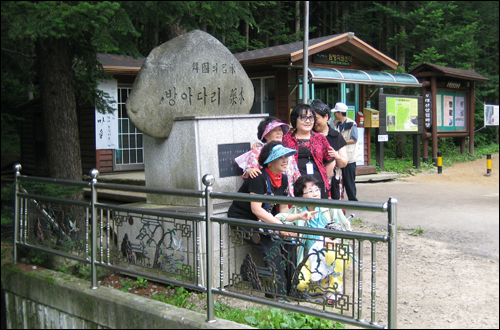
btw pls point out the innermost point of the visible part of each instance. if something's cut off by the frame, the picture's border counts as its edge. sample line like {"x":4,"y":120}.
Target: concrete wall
{"x":49,"y":299}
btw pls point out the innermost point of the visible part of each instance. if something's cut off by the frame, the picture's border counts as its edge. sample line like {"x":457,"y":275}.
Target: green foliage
{"x":273,"y":318}
{"x":127,"y":285}
{"x":417,"y":231}
{"x":85,"y":271}
{"x":34,"y":256}
{"x":180,"y":299}
{"x":46,"y":189}
{"x":7,"y":219}
{"x":451,"y":152}
{"x":63,"y":269}
{"x":449,"y":147}
{"x":10,"y":136}
{"x":430,"y":55}
{"x":141,"y":283}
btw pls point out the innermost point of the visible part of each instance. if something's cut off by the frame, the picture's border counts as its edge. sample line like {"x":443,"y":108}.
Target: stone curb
{"x":104,"y":307}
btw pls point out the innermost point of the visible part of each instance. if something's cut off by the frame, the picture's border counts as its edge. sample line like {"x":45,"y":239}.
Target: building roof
{"x":292,"y":52}
{"x":120,"y":64}
{"x":426,"y":69}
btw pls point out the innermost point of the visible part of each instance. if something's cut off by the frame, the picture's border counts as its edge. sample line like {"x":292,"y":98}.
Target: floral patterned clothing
{"x":292,"y":171}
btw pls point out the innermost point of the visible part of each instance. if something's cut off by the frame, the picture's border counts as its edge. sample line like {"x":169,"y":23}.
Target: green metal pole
{"x":93,"y":173}
{"x":393,"y":261}
{"x":18,"y":168}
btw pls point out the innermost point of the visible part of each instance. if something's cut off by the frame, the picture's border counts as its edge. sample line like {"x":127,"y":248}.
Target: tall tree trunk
{"x":297,"y":18}
{"x":277,"y":32}
{"x":175,"y":29}
{"x":337,"y":18}
{"x":247,"y":36}
{"x":55,"y":74}
{"x":60,"y":118}
{"x":388,"y":34}
{"x":266,"y":38}
{"x":325,"y":5}
{"x":345,"y":14}
{"x":155,"y":34}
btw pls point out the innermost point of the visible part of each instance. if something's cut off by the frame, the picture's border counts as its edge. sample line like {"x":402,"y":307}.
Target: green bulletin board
{"x":451,"y":111}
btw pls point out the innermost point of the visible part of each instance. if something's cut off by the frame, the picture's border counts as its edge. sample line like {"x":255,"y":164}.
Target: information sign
{"x":227,"y":153}
{"x":428,"y":110}
{"x":400,"y":114}
{"x":490,"y":115}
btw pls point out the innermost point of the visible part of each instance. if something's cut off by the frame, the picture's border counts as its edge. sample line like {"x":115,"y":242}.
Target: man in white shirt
{"x":349,"y":130}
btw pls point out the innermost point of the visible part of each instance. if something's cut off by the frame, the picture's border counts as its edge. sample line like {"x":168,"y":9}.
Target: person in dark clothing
{"x":336,"y":141}
{"x":279,"y":254}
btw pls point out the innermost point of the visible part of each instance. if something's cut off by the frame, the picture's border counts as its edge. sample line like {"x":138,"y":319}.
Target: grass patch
{"x":417,"y":231}
{"x":273,"y":318}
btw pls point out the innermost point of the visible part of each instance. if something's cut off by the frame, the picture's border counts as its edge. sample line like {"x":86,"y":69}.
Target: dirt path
{"x":470,"y":172}
{"x":440,"y":286}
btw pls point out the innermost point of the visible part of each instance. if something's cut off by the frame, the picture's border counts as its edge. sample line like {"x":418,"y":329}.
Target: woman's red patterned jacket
{"x":319,"y":149}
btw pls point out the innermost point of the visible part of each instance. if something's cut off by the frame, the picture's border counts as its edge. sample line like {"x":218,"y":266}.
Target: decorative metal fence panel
{"x":215,"y":254}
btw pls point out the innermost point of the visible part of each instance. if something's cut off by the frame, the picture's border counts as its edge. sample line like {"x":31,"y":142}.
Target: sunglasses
{"x":305,"y":118}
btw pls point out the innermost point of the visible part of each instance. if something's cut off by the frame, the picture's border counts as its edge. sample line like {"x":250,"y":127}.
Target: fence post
{"x":393,"y":261}
{"x":18,"y":168}
{"x":208,"y":181}
{"x":93,"y":244}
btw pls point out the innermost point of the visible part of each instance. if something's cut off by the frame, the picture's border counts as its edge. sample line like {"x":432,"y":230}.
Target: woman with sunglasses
{"x":314,"y":154}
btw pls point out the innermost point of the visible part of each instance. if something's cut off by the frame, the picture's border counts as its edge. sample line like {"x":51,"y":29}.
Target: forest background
{"x":49,"y":48}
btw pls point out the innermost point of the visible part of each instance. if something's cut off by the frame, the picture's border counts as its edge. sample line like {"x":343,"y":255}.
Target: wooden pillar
{"x":434,"y":120}
{"x":471,"y":118}
{"x":425,"y":148}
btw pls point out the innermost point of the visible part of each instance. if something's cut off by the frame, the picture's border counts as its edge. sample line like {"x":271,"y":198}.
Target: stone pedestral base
{"x":198,"y":145}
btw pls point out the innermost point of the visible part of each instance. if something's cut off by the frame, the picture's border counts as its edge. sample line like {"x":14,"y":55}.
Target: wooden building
{"x":341,"y":67}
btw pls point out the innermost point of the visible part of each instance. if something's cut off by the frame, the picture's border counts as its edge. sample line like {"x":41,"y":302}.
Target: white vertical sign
{"x":490,"y":115}
{"x":106,"y":125}
{"x":360,"y":147}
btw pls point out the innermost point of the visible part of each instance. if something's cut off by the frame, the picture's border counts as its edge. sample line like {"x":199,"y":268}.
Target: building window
{"x":130,"y":152}
{"x":265,"y":99}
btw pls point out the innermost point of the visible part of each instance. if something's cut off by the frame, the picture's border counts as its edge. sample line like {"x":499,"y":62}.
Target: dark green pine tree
{"x":67,"y":37}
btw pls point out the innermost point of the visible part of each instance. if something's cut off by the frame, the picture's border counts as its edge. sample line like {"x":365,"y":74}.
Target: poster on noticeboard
{"x":490,"y":115}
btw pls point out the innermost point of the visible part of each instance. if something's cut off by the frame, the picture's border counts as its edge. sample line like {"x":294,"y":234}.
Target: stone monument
{"x":192,"y":100}
{"x":193,"y":74}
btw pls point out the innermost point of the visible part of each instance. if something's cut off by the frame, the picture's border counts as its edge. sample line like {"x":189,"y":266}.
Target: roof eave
{"x":299,"y":55}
